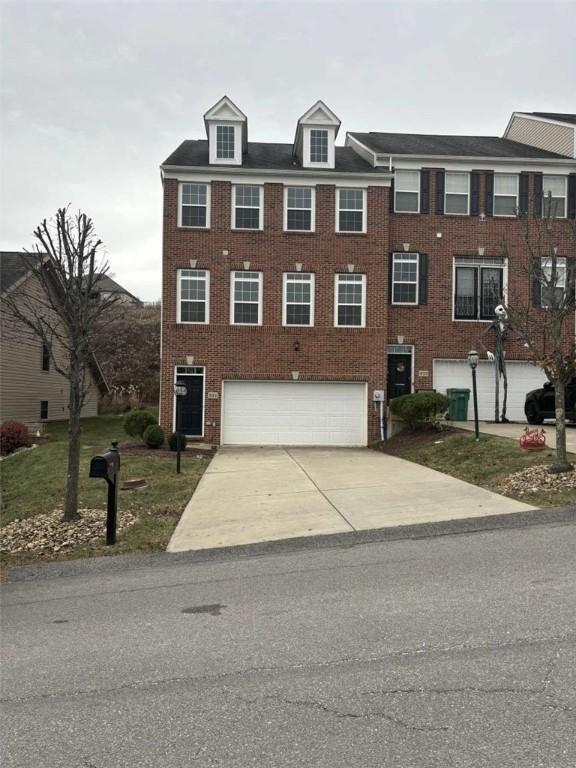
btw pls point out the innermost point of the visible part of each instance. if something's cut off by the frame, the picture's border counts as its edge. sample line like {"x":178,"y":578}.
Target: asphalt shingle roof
{"x":13,"y":266}
{"x":457,"y":146}
{"x":561,"y":116}
{"x":266,"y":156}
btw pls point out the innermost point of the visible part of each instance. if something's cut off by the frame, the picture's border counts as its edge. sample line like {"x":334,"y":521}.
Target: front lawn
{"x":485,"y":463}
{"x":33,"y":483}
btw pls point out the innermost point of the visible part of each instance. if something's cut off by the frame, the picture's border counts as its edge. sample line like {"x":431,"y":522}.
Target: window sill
{"x":247,"y":229}
{"x":352,"y":234}
{"x":298,"y":231}
{"x":197,"y":229}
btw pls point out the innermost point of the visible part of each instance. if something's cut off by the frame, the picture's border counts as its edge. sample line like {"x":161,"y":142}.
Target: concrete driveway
{"x":514,"y":430}
{"x":252,"y":495}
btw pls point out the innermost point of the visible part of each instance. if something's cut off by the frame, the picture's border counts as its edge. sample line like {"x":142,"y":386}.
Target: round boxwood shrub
{"x":136,"y":422}
{"x":153,"y":436}
{"x":174,"y":439}
{"x":13,"y":435}
{"x":419,"y":410}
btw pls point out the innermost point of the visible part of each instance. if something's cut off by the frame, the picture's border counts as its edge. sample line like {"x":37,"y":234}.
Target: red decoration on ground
{"x":533,"y":440}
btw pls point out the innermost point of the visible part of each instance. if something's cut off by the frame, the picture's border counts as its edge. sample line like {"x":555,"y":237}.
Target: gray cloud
{"x":95,"y":95}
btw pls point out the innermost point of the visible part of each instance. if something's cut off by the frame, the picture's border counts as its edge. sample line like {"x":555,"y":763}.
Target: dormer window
{"x":227,"y":129}
{"x":318,"y":145}
{"x":225,"y":142}
{"x":314,"y":145}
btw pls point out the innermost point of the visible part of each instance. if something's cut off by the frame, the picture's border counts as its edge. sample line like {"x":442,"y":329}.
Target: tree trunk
{"x":561,"y":463}
{"x":73,"y":470}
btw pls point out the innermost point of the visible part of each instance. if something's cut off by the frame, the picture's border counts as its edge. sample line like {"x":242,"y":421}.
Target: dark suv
{"x":539,"y":403}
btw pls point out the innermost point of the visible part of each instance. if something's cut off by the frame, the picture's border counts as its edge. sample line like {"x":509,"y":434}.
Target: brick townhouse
{"x":304,"y":281}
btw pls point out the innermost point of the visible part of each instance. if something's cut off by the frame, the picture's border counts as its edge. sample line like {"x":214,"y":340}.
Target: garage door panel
{"x":294,"y":413}
{"x":522,"y":377}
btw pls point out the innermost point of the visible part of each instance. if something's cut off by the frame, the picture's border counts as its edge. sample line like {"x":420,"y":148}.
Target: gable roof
{"x":454,"y":146}
{"x":14,"y":265}
{"x":107,"y":284}
{"x":561,"y":117}
{"x":266,"y":156}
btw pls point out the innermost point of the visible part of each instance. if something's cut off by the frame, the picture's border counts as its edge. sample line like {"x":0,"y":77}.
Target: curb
{"x":112,"y":563}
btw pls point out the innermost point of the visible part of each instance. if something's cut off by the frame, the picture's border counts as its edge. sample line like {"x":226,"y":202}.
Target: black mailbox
{"x":107,"y":467}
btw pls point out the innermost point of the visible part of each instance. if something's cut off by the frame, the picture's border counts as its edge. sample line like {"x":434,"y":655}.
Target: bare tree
{"x":61,"y":305}
{"x":544,"y":317}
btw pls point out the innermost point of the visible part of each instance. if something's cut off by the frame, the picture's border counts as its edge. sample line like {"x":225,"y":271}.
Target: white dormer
{"x":316,"y":137}
{"x":227,"y":130}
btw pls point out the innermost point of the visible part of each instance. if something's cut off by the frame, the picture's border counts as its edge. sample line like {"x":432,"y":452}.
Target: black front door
{"x":399,"y":375}
{"x":189,"y":407}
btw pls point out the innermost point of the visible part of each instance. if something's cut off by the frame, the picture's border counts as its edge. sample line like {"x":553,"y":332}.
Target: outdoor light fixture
{"x":296,"y":346}
{"x":473,"y":359}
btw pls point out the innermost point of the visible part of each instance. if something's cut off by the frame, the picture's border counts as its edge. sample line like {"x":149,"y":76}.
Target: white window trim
{"x":179,"y":299}
{"x":406,"y":303}
{"x":363,"y":310}
{"x":564,"y":196}
{"x":235,"y":272}
{"x":208,"y":206}
{"x":364,"y":211}
{"x":312,"y":209}
{"x":308,"y":163}
{"x":495,"y":195}
{"x":457,"y":173}
{"x":504,"y":268}
{"x":261,"y":209}
{"x":285,"y":300}
{"x":411,"y":191}
{"x":237,"y":159}
{"x":561,"y":269}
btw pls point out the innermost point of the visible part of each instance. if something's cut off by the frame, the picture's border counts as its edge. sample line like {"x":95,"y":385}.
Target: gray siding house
{"x":31,"y":390}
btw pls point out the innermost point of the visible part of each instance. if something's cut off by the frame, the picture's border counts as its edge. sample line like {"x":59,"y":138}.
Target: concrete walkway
{"x":515,"y":430}
{"x":252,"y":495}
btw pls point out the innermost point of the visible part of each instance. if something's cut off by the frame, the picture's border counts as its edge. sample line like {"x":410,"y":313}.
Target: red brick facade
{"x":324,"y":353}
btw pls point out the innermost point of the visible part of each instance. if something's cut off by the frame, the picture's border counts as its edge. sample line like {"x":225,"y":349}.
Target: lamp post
{"x":180,"y":390}
{"x":473,"y":358}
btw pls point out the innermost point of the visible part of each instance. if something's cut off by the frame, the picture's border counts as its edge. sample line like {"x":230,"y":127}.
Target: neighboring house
{"x":108,"y":287}
{"x":302,"y":280}
{"x":30,"y":389}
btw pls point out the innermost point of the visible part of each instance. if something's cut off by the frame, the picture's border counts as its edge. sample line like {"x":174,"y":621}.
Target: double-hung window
{"x":457,"y":193}
{"x":553,"y":282}
{"x":298,"y":305}
{"x":351,"y":210}
{"x":299,"y":209}
{"x":318,"y":145}
{"x":405,"y":278}
{"x":247,"y":213}
{"x":193,"y":295}
{"x":407,"y":192}
{"x":194,"y":205}
{"x":43,"y":410}
{"x":505,"y":194}
{"x":350,"y":301}
{"x":246,"y":302}
{"x":554,"y":193}
{"x":45,"y":356}
{"x":478,"y":287}
{"x":225,"y":142}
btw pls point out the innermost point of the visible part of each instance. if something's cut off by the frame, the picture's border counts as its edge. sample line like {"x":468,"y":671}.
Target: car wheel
{"x":533,"y":413}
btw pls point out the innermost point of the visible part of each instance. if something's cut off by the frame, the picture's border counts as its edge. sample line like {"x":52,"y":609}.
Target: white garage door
{"x":293,"y":413}
{"x":522,"y":377}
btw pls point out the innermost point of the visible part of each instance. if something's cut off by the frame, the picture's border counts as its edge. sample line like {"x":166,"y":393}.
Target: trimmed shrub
{"x":174,"y":439}
{"x":136,"y":422}
{"x":153,"y":436}
{"x":13,"y":435}
{"x":419,"y":410}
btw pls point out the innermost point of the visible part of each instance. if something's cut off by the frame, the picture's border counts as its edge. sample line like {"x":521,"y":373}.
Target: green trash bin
{"x":458,"y":404}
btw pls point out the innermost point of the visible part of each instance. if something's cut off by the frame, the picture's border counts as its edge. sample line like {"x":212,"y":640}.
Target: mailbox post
{"x":180,"y":390}
{"x":107,"y":467}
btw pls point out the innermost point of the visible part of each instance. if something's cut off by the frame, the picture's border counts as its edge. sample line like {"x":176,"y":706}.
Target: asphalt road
{"x":446,"y":652}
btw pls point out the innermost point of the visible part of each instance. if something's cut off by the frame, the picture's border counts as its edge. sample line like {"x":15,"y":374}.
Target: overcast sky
{"x":97,"y":94}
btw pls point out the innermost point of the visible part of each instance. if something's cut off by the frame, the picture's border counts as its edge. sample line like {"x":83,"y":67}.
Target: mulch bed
{"x":406,"y":440}
{"x":536,"y":479}
{"x":191,"y":451}
{"x":47,"y":534}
